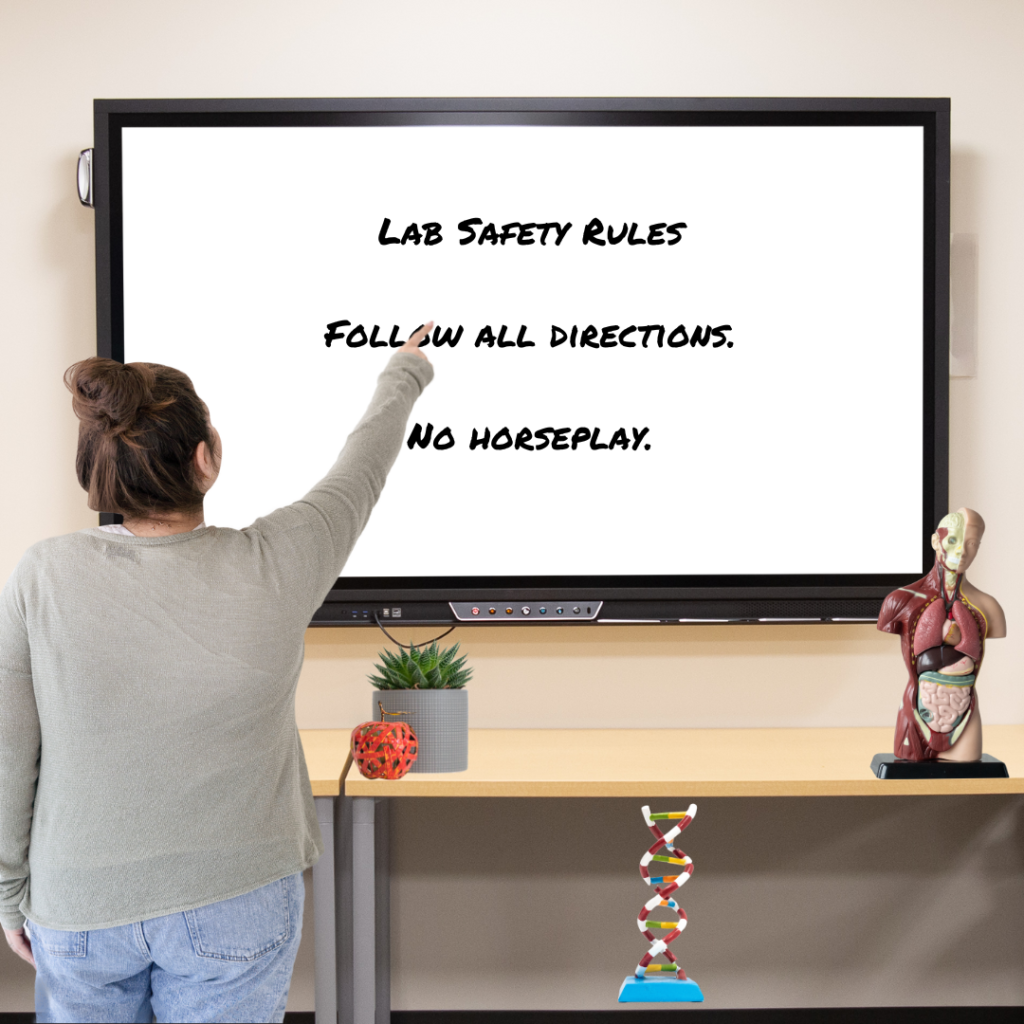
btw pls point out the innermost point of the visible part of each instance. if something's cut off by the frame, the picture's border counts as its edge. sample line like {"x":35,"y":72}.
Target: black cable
{"x":410,"y":647}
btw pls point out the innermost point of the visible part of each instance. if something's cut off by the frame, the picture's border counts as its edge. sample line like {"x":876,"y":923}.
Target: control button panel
{"x":513,"y":611}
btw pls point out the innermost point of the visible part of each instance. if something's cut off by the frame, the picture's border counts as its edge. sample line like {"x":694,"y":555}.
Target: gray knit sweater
{"x":149,"y":757}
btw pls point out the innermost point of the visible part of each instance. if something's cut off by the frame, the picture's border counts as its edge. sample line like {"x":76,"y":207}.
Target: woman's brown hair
{"x":139,"y":426}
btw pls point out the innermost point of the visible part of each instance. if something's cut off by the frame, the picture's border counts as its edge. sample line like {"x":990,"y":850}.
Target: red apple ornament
{"x":384,"y":750}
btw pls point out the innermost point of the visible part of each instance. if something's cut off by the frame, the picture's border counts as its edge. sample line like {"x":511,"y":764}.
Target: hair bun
{"x":139,"y":428}
{"x":108,"y":395}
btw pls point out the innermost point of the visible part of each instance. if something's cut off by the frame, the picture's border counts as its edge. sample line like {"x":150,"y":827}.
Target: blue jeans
{"x":228,"y":961}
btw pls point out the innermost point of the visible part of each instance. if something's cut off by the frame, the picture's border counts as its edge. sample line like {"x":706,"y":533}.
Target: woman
{"x":147,"y":711}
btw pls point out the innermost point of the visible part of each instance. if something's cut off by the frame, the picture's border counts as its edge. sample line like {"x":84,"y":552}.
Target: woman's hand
{"x":19,"y":942}
{"x":413,"y":344}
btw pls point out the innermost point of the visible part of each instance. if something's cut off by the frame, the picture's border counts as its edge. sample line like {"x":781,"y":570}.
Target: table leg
{"x":382,"y":893}
{"x":325,"y":933}
{"x":371,"y":953}
{"x":343,"y":873}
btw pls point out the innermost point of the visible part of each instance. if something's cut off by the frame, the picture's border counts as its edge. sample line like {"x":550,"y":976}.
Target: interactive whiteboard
{"x":663,"y":350}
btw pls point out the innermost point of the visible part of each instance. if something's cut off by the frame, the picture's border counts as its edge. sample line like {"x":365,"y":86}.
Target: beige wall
{"x":56,"y":56}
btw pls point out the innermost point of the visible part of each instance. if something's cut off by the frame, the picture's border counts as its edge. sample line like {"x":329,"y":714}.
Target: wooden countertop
{"x":685,"y":763}
{"x":327,"y":758}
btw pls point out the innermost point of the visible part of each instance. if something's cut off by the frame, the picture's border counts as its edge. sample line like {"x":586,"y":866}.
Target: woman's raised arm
{"x":321,"y":529}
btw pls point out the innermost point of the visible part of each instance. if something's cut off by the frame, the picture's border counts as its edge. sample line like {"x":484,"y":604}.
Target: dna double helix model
{"x":664,"y":885}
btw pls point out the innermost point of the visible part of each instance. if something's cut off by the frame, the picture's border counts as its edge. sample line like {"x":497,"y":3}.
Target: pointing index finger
{"x":417,"y":338}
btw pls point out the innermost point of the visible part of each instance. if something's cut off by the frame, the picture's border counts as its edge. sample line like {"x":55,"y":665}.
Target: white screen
{"x":242,"y":244}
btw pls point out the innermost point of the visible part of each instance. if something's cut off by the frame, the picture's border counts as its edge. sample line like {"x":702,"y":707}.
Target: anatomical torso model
{"x":943,"y":622}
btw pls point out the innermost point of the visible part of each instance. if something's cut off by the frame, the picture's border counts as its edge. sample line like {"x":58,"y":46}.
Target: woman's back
{"x":161,"y":675}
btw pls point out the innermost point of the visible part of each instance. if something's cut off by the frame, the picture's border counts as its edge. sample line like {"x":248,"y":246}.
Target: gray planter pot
{"x":440,"y":719}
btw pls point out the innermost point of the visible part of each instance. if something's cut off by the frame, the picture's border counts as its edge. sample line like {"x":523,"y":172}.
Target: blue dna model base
{"x":660,"y":990}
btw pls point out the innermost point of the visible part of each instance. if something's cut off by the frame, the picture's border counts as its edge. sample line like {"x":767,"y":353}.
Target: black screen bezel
{"x":756,"y":593}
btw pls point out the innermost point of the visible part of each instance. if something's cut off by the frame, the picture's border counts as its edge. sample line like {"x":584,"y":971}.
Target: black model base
{"x":888,"y":766}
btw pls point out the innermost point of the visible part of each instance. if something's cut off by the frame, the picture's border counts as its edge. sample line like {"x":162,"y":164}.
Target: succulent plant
{"x":422,"y":668}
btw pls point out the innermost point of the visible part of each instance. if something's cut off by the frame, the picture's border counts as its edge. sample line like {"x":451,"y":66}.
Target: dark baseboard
{"x":30,"y":1018}
{"x":845,"y":1015}
{"x":832,"y":1015}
